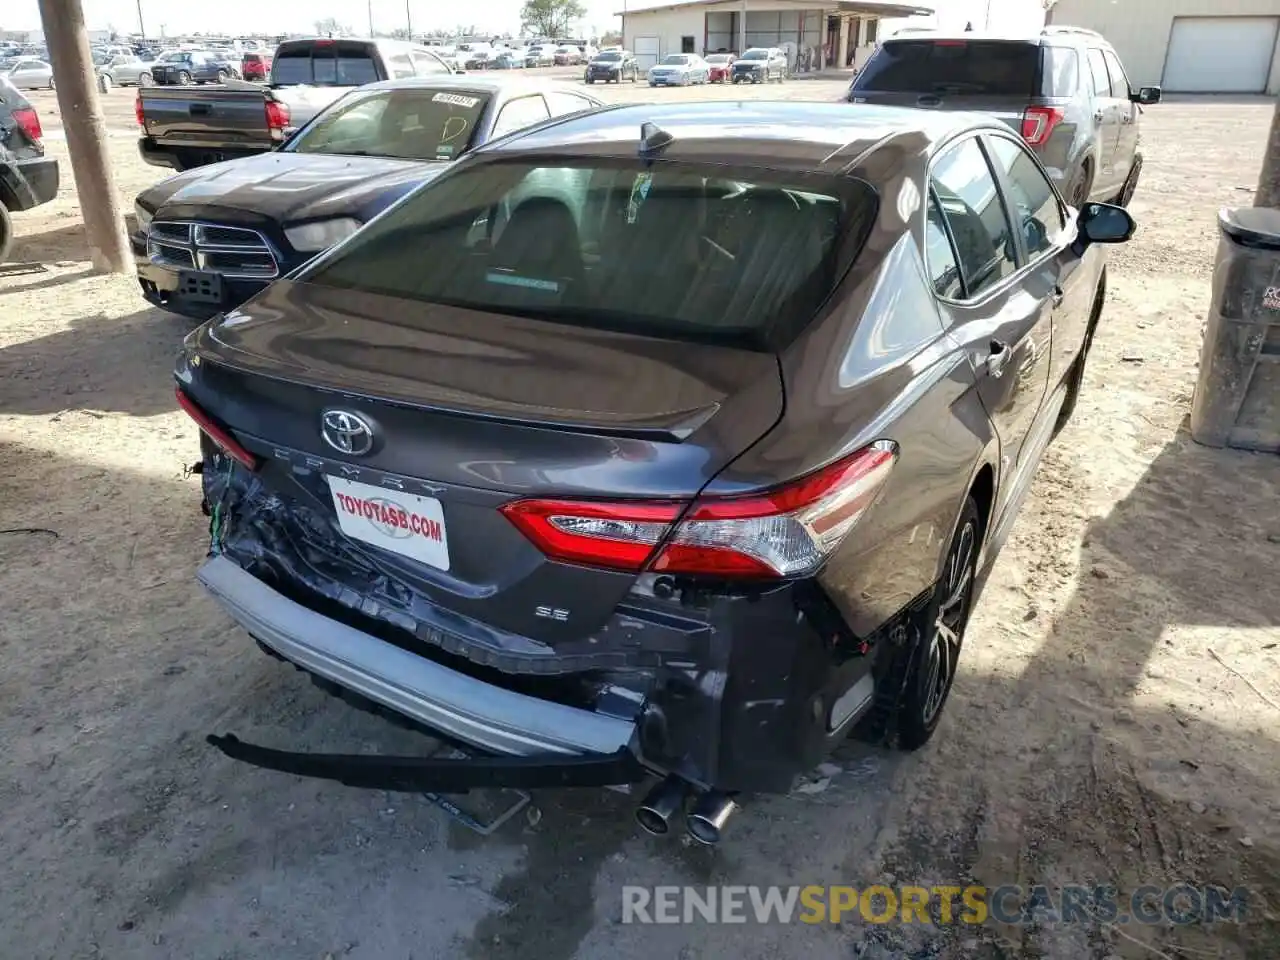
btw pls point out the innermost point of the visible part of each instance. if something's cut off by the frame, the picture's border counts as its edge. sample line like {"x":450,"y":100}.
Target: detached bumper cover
{"x":467,"y":709}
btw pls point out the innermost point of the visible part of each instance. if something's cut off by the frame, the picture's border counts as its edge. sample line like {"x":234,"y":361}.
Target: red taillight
{"x":224,"y":440}
{"x":29,"y":121}
{"x":277,"y":118}
{"x":1038,"y":123}
{"x":785,"y":532}
{"x":138,"y":112}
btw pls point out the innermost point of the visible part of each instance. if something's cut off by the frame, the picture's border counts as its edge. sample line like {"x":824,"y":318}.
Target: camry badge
{"x":347,"y":432}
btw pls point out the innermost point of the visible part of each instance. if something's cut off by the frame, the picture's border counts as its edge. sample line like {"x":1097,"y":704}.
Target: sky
{"x":284,"y":16}
{"x":497,"y":16}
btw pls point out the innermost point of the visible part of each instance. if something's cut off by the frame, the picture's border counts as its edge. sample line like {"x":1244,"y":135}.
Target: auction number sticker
{"x":456,"y":99}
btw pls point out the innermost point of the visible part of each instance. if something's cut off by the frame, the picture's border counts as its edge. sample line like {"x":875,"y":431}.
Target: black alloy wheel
{"x":937,"y":653}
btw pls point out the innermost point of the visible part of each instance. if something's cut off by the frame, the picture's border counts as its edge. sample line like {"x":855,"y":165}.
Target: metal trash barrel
{"x":1237,"y":399}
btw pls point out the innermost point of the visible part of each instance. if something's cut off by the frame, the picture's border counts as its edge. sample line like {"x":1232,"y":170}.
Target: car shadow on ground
{"x":101,"y":363}
{"x":1129,"y":784}
{"x":65,"y":244}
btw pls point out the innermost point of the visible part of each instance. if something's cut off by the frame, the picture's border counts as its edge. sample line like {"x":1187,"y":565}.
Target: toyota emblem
{"x":347,"y":432}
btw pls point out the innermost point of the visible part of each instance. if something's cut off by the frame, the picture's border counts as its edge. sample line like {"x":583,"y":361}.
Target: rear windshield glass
{"x":608,"y":56}
{"x":671,"y":250}
{"x":987,"y":67}
{"x":414,"y":124}
{"x":341,"y":65}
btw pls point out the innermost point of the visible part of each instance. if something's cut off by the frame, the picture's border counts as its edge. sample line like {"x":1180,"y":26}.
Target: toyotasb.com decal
{"x":389,"y":517}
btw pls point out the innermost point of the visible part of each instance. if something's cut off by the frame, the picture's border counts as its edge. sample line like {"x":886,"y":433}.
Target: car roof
{"x":496,"y":83}
{"x":1063,"y":35}
{"x":794,"y":135}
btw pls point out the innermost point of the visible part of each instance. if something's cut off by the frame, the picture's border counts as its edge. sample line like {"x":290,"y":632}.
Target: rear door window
{"x":564,"y":103}
{"x":1098,"y":70}
{"x":399,"y":65}
{"x":940,"y":256}
{"x":520,"y":113}
{"x":979,"y":67}
{"x":1119,"y":82}
{"x":1060,"y":72}
{"x":1032,"y":203}
{"x":674,"y":250}
{"x":426,"y":64}
{"x":966,"y":189}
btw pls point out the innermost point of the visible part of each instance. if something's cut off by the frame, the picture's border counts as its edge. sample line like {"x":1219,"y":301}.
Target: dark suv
{"x":27,"y":177}
{"x":1065,"y":91}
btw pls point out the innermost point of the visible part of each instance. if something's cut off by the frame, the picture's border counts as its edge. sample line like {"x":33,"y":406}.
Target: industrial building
{"x":816,"y":34}
{"x":1187,"y":46}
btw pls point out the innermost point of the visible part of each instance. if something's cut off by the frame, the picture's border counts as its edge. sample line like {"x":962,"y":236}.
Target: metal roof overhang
{"x":875,"y":8}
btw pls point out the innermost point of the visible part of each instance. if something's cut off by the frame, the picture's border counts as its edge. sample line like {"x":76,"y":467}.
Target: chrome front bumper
{"x":460,"y":706}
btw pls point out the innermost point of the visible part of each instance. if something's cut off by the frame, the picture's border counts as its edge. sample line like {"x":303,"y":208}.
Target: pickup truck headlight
{"x":143,"y":216}
{"x":321,"y":235}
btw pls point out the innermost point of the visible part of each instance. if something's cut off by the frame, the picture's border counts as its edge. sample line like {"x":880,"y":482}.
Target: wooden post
{"x":86,"y":130}
{"x":1268,"y":194}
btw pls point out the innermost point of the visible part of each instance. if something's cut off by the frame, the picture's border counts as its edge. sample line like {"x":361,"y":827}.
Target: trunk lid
{"x":469,"y":410}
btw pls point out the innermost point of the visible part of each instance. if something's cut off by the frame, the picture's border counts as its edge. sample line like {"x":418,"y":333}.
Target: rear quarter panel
{"x":880,"y":365}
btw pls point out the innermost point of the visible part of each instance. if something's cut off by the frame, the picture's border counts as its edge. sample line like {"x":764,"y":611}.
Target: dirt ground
{"x":1116,"y":717}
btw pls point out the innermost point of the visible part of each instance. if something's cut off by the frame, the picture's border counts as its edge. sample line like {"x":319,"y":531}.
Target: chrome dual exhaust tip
{"x":663,"y":802}
{"x":709,"y":816}
{"x":705,"y":822}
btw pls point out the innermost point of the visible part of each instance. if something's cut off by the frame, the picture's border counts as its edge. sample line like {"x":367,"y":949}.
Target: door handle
{"x":997,"y":358}
{"x":1057,"y":296}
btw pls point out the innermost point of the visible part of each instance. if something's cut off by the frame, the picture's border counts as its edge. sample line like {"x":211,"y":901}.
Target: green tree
{"x":551,"y":18}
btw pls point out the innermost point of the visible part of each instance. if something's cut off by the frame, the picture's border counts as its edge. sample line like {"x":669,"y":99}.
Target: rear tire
{"x":6,"y":234}
{"x":184,"y":78}
{"x":51,"y":84}
{"x":1082,"y":186}
{"x":144,"y":79}
{"x":223,"y":76}
{"x":1075,"y":376}
{"x":932,"y":668}
{"x":1125,"y":196}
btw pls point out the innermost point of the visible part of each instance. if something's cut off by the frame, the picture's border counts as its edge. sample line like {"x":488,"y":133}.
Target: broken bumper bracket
{"x":440,"y":775}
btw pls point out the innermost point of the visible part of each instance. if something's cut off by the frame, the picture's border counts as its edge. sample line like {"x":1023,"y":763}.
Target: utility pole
{"x":1269,"y":183}
{"x":408,"y":19}
{"x":370,"y":19}
{"x":86,"y":131}
{"x":142,"y":28}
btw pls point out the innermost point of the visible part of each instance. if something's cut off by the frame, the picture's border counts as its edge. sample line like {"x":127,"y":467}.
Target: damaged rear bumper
{"x":465,"y":708}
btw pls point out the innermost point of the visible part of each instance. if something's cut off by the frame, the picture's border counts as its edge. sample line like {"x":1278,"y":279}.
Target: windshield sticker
{"x":444,"y":151}
{"x":454,"y":127}
{"x":529,"y":283}
{"x":639,"y":190}
{"x":457,"y":99}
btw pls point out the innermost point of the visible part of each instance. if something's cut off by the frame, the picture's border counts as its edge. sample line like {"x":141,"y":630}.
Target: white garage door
{"x":646,"y":52}
{"x":1220,"y":54}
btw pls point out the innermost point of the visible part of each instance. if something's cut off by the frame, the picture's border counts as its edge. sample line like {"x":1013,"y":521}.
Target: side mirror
{"x":1146,"y":96}
{"x":1106,"y":223}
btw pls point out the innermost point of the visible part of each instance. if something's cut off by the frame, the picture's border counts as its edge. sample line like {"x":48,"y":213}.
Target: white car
{"x":679,"y":70}
{"x":126,"y":68}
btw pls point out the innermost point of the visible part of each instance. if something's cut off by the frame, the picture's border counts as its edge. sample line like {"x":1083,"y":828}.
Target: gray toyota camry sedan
{"x":664,"y":443}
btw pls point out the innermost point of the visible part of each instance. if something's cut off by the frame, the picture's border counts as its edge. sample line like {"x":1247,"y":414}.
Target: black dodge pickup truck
{"x":211,"y":238}
{"x":187,"y":126}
